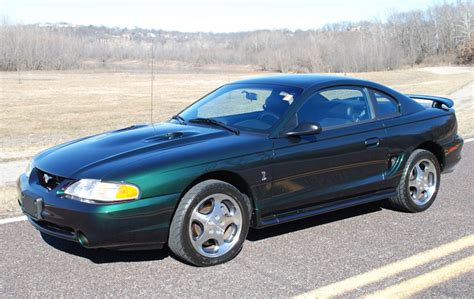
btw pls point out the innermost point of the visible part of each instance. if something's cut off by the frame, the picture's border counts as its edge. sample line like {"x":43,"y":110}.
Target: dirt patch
{"x":464,"y":97}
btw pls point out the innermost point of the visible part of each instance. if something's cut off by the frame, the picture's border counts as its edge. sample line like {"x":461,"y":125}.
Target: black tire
{"x":179,"y":240}
{"x":403,"y":201}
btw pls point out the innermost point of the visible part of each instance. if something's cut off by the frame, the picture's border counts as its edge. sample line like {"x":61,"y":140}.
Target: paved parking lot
{"x":367,"y":250}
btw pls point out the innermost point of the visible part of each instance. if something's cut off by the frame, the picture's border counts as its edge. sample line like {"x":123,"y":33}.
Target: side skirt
{"x":325,"y":208}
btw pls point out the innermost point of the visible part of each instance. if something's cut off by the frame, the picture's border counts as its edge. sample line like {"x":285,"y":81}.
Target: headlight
{"x":95,"y":190}
{"x":29,"y":169}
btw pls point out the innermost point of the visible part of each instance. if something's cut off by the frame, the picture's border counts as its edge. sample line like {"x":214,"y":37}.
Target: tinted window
{"x":335,"y":107}
{"x":386,"y":105}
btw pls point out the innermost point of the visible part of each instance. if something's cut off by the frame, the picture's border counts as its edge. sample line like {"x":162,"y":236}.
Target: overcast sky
{"x":204,"y":15}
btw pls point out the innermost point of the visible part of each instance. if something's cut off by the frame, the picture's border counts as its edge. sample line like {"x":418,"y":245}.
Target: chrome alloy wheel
{"x":422,"y":183}
{"x":215,"y":225}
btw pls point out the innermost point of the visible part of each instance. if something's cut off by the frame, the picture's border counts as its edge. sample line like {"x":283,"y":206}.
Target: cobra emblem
{"x":46,"y":178}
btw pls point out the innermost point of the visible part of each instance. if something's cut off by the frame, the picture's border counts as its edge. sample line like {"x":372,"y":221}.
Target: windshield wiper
{"x":179,"y":118}
{"x":211,"y":121}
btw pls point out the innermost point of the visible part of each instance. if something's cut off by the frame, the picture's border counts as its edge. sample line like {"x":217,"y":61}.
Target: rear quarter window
{"x":386,"y":105}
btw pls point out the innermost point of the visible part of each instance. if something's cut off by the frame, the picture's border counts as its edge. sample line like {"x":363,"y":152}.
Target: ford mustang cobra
{"x":253,"y":153}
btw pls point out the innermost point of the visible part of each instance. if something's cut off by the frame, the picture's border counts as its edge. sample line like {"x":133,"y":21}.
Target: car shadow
{"x":105,"y":256}
{"x":284,"y":228}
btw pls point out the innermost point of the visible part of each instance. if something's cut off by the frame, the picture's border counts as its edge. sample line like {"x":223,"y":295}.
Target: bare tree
{"x":441,"y":33}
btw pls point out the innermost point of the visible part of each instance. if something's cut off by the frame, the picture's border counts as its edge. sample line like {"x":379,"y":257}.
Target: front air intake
{"x":47,"y":180}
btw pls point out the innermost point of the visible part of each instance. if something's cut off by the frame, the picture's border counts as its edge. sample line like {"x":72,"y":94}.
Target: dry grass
{"x":422,"y":81}
{"x":40,"y":109}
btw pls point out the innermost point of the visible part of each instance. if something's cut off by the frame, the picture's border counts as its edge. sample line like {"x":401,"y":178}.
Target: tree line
{"x":442,"y":33}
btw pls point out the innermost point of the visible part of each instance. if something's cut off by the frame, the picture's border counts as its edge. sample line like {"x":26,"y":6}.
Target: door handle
{"x":372,"y":142}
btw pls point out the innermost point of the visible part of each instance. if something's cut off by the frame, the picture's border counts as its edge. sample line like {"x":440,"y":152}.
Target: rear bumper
{"x":452,"y":154}
{"x":142,"y":223}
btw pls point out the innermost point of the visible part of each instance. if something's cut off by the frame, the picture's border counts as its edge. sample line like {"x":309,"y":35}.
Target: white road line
{"x":468,"y":140}
{"x":408,"y":288}
{"x":14,"y":219}
{"x":391,"y":270}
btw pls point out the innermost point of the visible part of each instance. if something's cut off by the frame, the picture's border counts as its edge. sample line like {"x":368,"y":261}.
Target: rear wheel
{"x":210,"y":224}
{"x":419,"y":183}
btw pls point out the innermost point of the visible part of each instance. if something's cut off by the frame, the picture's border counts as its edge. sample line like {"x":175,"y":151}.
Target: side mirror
{"x":304,"y":128}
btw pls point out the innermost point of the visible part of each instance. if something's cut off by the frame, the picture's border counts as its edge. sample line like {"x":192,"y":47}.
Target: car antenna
{"x":152,"y":78}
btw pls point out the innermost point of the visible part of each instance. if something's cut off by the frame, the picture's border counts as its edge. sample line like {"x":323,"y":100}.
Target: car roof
{"x":308,"y":81}
{"x":303,"y":81}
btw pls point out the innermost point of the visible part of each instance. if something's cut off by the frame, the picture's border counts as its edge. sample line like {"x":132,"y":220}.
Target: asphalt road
{"x":357,"y":249}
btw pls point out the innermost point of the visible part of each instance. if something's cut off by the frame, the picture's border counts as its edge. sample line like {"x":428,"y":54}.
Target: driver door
{"x":347,"y":158}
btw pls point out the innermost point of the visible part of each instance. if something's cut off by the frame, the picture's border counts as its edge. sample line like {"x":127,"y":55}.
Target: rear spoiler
{"x":438,"y":102}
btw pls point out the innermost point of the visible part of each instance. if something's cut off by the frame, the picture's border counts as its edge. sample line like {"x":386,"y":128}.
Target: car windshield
{"x":253,"y":107}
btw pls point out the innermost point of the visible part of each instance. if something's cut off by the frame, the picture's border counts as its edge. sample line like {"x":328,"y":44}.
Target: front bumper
{"x":142,"y":223}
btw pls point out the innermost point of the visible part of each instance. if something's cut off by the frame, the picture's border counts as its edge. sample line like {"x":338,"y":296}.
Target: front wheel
{"x":419,"y":183}
{"x":210,"y":224}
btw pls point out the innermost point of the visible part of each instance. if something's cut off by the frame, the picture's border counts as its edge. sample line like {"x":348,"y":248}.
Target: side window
{"x":386,"y":105}
{"x":336,"y":107}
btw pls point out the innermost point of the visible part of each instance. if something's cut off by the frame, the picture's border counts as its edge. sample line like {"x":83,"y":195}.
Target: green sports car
{"x":253,"y":153}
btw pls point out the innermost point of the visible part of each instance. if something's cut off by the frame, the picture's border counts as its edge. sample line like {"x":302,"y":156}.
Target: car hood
{"x":75,"y":159}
